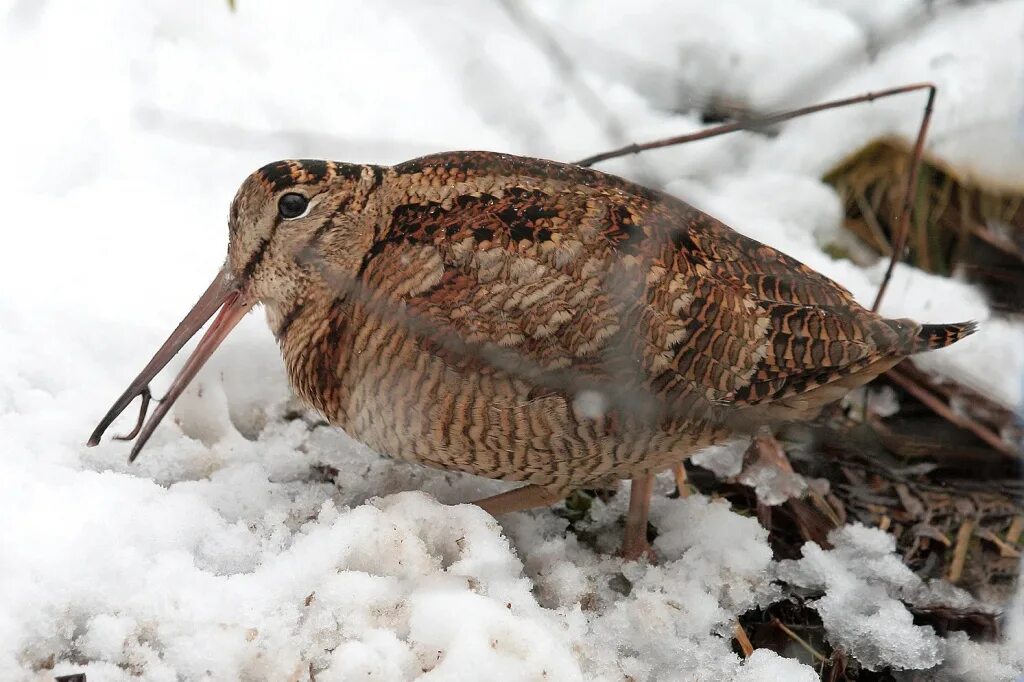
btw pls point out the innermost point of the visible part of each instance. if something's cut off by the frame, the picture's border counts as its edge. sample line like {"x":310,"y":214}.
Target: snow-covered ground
{"x":126,"y":128}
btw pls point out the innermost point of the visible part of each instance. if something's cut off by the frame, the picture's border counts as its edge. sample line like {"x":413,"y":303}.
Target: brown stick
{"x":1006,"y":550}
{"x":761,"y":122}
{"x":947,"y":413}
{"x":679,"y":472}
{"x":798,"y":639}
{"x":981,"y":408}
{"x":822,"y":505}
{"x":743,"y":640}
{"x":995,"y":240}
{"x":1015,"y":530}
{"x":963,"y":537}
{"x":903,"y":221}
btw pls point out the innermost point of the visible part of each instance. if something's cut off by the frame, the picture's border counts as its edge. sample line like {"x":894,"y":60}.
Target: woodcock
{"x":527,"y":320}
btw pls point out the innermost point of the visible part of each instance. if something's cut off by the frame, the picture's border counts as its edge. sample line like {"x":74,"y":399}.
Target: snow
{"x":772,"y":485}
{"x":764,"y":665}
{"x":724,"y":459}
{"x":251,"y":543}
{"x":862,"y":580}
{"x":866,"y":587}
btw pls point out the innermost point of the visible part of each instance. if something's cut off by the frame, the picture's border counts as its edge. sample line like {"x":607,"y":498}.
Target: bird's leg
{"x":520,"y":499}
{"x":770,"y":473}
{"x":679,"y":473}
{"x":770,"y":450}
{"x":634,"y":543}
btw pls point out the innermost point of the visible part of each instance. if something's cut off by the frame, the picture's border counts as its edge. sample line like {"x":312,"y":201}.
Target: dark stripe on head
{"x":282,"y":175}
{"x":315,"y":170}
{"x":255,"y":258}
{"x":278,"y":175}
{"x":349,"y":171}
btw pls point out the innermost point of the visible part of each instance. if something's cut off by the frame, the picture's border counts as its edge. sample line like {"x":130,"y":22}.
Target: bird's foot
{"x":635,"y":551}
{"x":520,"y":499}
{"x":770,"y":451}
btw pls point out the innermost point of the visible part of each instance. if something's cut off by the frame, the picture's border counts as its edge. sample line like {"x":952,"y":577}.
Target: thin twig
{"x":798,"y":639}
{"x":924,"y":530}
{"x":1006,"y":550}
{"x":682,"y":485}
{"x":1015,"y":530}
{"x":871,"y":220}
{"x":754,"y":123}
{"x":947,"y":413}
{"x":963,"y":537}
{"x":995,"y":240}
{"x":743,"y":640}
{"x":822,"y":505}
{"x":903,"y":220}
{"x":978,"y":405}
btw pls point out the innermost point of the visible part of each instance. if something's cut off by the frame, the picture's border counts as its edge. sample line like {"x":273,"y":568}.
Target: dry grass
{"x":957,"y":225}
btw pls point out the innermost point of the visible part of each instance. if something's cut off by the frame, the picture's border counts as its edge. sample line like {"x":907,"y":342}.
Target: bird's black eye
{"x":292,"y":205}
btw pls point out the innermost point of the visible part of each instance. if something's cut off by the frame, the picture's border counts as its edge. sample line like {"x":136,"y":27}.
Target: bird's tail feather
{"x":933,"y":336}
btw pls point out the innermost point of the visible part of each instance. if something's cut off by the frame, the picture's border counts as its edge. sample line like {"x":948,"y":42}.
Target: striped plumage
{"x":535,"y":321}
{"x":527,"y":320}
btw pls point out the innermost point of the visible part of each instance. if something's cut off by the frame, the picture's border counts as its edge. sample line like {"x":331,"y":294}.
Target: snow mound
{"x":394,"y":588}
{"x":865,"y":584}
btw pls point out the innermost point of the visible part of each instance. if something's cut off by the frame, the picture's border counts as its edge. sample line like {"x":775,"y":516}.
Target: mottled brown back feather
{"x":579,"y":271}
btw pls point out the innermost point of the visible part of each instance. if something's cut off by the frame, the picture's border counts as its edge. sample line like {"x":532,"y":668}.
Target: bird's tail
{"x":932,"y":336}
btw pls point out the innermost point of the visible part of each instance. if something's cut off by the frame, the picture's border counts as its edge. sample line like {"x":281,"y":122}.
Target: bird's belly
{"x":486,"y":423}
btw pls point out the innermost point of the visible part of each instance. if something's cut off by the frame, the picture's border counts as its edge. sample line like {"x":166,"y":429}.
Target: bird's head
{"x":290,"y":223}
{"x":289,"y":218}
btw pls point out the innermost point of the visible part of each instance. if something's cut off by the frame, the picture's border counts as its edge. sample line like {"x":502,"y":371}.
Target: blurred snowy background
{"x":126,"y":128}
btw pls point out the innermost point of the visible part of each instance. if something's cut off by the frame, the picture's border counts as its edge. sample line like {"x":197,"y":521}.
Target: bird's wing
{"x":593,"y":281}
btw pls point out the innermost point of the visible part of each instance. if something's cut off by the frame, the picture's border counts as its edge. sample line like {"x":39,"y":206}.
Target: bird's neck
{"x":313,"y":332}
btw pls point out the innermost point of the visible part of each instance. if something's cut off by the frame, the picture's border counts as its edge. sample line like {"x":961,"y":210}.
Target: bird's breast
{"x":385,"y":387}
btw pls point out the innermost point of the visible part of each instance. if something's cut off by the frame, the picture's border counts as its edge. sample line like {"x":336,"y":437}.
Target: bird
{"x":527,"y":320}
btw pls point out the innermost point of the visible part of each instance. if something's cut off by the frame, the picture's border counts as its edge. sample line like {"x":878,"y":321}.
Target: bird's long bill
{"x":223,"y":295}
